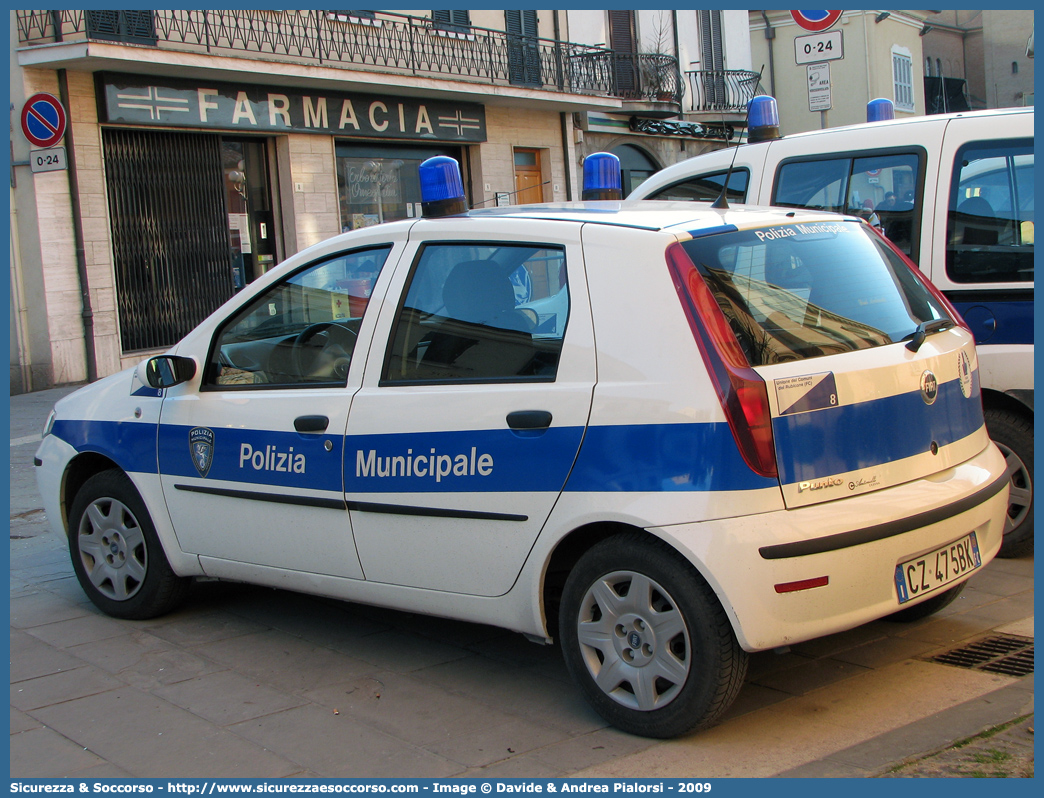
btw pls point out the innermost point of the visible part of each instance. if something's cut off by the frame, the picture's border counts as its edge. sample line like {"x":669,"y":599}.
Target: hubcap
{"x":1021,"y":496}
{"x":634,"y":640}
{"x":112,"y":549}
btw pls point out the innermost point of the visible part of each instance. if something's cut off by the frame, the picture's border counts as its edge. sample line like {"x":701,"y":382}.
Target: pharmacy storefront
{"x":210,"y":184}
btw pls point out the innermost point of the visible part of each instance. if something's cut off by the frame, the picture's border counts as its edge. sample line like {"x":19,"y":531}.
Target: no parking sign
{"x":815,"y":21}
{"x":43,"y":120}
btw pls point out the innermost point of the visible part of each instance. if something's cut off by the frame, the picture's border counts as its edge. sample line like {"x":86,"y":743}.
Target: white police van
{"x":662,"y":433}
{"x":955,"y":193}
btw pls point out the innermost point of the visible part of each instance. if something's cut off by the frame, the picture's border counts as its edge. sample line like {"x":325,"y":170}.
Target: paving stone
{"x":85,"y":629}
{"x":400,"y":652}
{"x":225,"y":698}
{"x":588,"y":750}
{"x":31,"y":658}
{"x":283,"y":661}
{"x":411,"y":710}
{"x":44,"y":753}
{"x":21,"y":722}
{"x":516,"y":691}
{"x":808,"y":676}
{"x":198,"y":628}
{"x":42,"y":608}
{"x":478,"y":748}
{"x":144,"y":661}
{"x":58,"y":687}
{"x":150,"y":738}
{"x":341,"y":747}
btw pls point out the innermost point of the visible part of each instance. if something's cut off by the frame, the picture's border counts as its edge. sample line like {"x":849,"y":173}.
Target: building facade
{"x":825,"y":79}
{"x":203,"y":147}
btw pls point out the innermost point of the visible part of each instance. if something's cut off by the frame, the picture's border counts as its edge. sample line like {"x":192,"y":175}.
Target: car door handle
{"x":311,"y":423}
{"x":529,"y":419}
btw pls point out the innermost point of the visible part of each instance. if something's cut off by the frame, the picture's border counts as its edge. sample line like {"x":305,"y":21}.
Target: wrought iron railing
{"x":723,"y":90}
{"x":385,"y":41}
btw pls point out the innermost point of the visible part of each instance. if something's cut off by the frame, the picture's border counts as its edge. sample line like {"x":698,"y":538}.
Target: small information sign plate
{"x":818,"y":87}
{"x":828,"y":46}
{"x":50,"y":160}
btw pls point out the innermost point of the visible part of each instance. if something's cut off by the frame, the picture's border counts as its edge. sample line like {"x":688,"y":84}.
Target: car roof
{"x":671,"y":216}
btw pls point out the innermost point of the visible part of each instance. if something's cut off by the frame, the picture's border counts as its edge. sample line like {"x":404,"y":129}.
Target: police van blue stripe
{"x":995,"y":321}
{"x":848,"y":438}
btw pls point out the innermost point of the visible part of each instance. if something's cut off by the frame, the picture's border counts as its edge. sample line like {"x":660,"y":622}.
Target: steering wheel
{"x":323,"y":351}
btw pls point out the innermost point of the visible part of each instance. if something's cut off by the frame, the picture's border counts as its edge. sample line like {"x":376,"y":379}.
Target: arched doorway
{"x":635,"y":166}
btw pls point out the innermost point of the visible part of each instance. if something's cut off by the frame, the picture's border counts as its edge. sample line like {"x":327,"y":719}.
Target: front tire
{"x":1013,"y":435}
{"x":116,"y":554}
{"x":646,"y":639}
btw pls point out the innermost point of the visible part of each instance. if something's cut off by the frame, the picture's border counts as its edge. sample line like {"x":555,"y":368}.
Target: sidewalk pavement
{"x":253,"y":682}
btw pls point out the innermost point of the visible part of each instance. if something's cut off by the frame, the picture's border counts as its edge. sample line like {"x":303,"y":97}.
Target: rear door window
{"x":480,"y":313}
{"x":990,"y":221}
{"x":807,"y":290}
{"x":882,"y":188}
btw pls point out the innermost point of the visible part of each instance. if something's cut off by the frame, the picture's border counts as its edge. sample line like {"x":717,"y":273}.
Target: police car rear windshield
{"x":808,"y":290}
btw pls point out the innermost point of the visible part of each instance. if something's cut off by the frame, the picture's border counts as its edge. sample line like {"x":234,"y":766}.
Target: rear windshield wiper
{"x":926,"y":328}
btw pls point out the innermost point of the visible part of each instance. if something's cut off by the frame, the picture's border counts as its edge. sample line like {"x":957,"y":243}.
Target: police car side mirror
{"x":166,"y":371}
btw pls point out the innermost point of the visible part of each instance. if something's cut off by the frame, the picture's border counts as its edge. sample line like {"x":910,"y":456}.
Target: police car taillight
{"x":741,"y":391}
{"x":602,"y":177}
{"x":442,"y":189}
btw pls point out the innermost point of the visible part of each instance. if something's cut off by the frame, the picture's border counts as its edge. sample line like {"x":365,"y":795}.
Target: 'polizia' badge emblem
{"x":201,"y":447}
{"x":929,"y":388}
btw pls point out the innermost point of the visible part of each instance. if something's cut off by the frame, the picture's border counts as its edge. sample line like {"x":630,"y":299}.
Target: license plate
{"x":929,"y":572}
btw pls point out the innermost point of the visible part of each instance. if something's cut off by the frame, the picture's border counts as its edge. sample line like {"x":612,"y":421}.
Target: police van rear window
{"x":807,"y":290}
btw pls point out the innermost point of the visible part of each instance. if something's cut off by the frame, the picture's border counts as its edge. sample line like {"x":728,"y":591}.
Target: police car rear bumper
{"x":846,"y":552}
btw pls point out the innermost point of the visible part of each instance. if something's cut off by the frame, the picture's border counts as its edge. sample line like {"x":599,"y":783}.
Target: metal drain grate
{"x":1004,"y":654}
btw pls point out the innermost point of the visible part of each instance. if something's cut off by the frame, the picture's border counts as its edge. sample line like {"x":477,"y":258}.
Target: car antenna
{"x":722,"y":203}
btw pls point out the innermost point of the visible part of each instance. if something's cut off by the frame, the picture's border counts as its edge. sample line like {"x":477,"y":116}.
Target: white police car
{"x":662,"y":433}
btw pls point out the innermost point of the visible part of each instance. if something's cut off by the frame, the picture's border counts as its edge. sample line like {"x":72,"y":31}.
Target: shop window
{"x":480,"y":313}
{"x":300,"y":332}
{"x":380,"y":184}
{"x":990,"y":221}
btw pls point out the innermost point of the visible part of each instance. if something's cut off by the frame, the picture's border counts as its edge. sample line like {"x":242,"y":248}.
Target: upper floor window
{"x":902,"y":80}
{"x":454,"y":20}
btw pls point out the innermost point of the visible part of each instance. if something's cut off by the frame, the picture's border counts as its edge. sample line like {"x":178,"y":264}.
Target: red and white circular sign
{"x":43,"y":120}
{"x":815,"y":21}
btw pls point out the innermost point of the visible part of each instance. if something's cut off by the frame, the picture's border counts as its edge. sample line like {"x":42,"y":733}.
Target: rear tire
{"x":928,"y":607}
{"x":116,"y":554}
{"x":646,"y":639}
{"x":1013,"y":435}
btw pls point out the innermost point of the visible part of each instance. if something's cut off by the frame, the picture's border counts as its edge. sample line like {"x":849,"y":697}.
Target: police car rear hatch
{"x":840,"y":369}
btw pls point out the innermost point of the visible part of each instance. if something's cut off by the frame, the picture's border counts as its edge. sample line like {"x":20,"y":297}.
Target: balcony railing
{"x":723,"y":90}
{"x":383,"y":41}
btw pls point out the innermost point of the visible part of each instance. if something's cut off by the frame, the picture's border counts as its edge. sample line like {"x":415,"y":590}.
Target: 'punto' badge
{"x":201,"y":447}
{"x":929,"y":388}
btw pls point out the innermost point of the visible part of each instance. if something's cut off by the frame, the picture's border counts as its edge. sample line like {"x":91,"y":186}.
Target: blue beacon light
{"x":442,"y":189}
{"x":880,"y":110}
{"x":762,"y":119}
{"x":602,"y":179}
